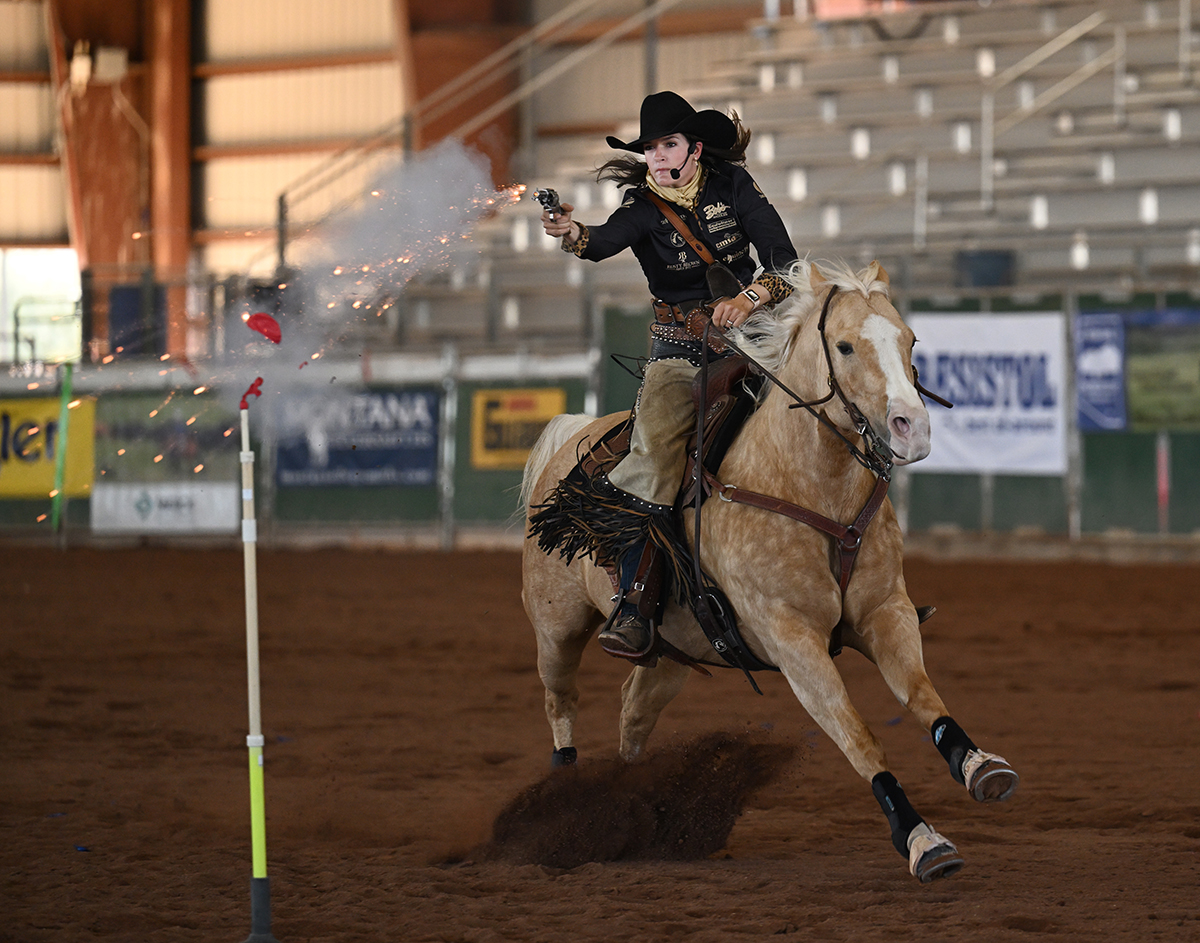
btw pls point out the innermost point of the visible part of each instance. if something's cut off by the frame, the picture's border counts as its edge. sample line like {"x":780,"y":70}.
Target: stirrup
{"x":613,"y":637}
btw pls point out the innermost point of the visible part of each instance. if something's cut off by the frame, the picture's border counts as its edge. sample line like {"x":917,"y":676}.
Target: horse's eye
{"x":844,"y":348}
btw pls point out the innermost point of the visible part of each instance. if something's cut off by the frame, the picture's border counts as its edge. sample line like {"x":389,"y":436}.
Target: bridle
{"x":875,"y":455}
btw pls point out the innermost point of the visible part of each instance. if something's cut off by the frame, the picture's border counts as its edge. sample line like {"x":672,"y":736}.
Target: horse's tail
{"x":558,"y":430}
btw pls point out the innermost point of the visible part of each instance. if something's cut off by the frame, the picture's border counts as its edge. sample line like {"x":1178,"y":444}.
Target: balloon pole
{"x":260,"y":888}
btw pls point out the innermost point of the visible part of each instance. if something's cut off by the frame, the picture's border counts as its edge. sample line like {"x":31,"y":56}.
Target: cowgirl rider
{"x":690,"y":165}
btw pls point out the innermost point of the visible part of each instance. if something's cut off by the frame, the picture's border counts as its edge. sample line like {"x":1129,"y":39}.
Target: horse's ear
{"x":816,"y":279}
{"x":876,"y":273}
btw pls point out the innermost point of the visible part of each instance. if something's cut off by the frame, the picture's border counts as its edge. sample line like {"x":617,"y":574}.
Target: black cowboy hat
{"x":665,"y":113}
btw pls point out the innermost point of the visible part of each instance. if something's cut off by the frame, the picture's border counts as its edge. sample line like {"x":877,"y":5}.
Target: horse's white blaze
{"x":907,"y":418}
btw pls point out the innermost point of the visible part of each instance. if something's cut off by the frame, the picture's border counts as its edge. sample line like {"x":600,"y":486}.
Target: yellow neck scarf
{"x":684,"y":196}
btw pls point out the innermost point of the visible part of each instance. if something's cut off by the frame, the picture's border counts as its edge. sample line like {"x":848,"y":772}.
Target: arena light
{"x":924,"y":102}
{"x":1172,"y":124}
{"x":1080,"y":254}
{"x":511,"y":313}
{"x":831,"y":221}
{"x":798,"y":184}
{"x":520,"y":234}
{"x":1039,"y":212}
{"x":829,"y":107}
{"x":1148,"y":206}
{"x":766,"y":149}
{"x":1193,"y":247}
{"x":962,"y":137}
{"x":583,"y":195}
{"x":860,"y":143}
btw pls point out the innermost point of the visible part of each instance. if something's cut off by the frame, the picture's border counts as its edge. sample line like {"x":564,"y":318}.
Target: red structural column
{"x":170,"y":157}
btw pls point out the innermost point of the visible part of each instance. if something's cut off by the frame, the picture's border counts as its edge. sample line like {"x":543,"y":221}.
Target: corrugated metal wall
{"x":301,"y":104}
{"x":34,"y":209}
{"x":258,"y":29}
{"x":32,"y":204}
{"x":23,"y":36}
{"x":26,"y":118}
{"x":249,"y":105}
{"x":610,"y":85}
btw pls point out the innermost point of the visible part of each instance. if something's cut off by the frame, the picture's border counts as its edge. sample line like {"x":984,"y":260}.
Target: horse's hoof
{"x":989,"y":778}
{"x":564,"y":757}
{"x":932,"y":855}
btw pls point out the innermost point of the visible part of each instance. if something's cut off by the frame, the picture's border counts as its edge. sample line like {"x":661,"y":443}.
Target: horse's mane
{"x":769,"y":335}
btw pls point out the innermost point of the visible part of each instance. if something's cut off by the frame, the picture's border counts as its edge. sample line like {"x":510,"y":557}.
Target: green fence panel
{"x":356,"y":505}
{"x":626,"y":333}
{"x":1119,"y":483}
{"x":944,"y":499}
{"x":24,"y":512}
{"x":1185,"y":483}
{"x":1032,"y":501}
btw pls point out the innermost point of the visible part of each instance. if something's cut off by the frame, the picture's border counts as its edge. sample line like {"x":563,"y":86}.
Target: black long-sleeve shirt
{"x":731,"y":215}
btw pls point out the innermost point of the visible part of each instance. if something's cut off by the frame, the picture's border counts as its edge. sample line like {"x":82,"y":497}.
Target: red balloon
{"x":266,"y":325}
{"x":255,"y":390}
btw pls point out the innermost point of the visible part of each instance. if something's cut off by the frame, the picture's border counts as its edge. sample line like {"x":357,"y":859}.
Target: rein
{"x":878,"y":457}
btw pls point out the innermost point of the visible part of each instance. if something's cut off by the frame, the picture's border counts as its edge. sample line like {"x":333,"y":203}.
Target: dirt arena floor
{"x":403,"y":715}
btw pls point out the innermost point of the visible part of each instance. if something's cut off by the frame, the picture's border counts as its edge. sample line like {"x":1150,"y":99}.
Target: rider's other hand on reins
{"x":733,"y":312}
{"x":560,"y":224}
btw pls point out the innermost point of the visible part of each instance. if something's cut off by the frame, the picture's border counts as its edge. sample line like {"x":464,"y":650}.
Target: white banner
{"x":167,"y":507}
{"x":1006,"y":376}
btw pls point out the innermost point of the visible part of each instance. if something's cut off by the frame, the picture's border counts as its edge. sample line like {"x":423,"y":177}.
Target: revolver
{"x":549,"y":200}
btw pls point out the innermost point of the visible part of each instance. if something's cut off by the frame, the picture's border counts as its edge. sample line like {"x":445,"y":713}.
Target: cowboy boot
{"x":630,"y":630}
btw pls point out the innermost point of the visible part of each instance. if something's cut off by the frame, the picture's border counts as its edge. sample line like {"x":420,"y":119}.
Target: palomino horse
{"x":778,"y":573}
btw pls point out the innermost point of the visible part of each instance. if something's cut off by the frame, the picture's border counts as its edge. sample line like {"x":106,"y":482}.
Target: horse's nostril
{"x":900,"y":424}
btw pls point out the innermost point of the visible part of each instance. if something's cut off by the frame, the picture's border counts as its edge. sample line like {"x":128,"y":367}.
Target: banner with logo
{"x":1100,"y":372}
{"x":341,"y":438}
{"x":29,"y":442}
{"x":1005,"y":375}
{"x":1162,"y":368}
{"x":167,"y":507}
{"x":506,"y":423}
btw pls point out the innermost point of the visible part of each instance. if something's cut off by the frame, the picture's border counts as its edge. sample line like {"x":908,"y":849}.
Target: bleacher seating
{"x":868,"y":137}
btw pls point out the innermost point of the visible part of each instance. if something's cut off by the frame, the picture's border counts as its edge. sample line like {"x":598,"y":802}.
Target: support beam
{"x":170,"y":155}
{"x":103,"y":156}
{"x":445,"y":38}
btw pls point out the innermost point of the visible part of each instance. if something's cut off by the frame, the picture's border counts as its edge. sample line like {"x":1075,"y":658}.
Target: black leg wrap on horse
{"x":954,"y":745}
{"x":566,"y":756}
{"x":901,"y":816}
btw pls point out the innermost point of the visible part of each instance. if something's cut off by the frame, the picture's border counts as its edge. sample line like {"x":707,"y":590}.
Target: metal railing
{"x":402,"y":132}
{"x":51,"y":328}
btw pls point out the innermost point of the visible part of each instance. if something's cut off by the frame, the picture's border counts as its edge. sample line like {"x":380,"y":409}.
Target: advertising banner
{"x":1005,"y":375}
{"x":167,"y":507}
{"x":506,"y":423}
{"x":1162,"y":368}
{"x":1100,"y":372}
{"x":375,"y":438}
{"x":29,"y":443}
